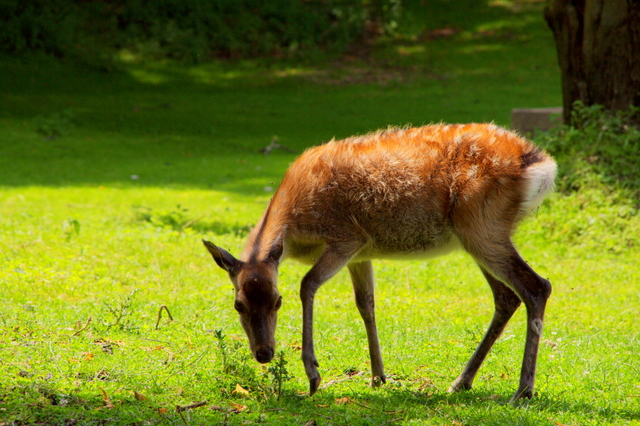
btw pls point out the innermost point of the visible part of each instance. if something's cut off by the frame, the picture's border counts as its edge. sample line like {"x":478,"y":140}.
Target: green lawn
{"x":100,"y":226}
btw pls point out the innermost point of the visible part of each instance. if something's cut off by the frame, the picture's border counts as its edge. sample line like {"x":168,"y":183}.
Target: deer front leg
{"x":363,"y":287}
{"x":327,"y":265}
{"x":307,"y":294}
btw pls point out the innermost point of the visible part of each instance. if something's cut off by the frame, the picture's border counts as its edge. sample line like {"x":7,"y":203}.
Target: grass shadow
{"x":351,"y":407}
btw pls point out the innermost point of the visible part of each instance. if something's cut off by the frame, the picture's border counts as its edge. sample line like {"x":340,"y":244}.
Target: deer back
{"x":400,"y":192}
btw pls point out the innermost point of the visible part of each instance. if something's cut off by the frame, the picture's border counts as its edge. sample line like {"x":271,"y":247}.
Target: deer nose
{"x":264,"y":355}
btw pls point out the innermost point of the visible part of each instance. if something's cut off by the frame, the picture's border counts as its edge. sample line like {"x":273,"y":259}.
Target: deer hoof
{"x":521,"y":394}
{"x":313,"y":385}
{"x":377,"y":381}
{"x":458,"y":386}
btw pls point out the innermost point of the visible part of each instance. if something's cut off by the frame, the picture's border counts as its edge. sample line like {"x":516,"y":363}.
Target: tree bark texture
{"x":598,"y":44}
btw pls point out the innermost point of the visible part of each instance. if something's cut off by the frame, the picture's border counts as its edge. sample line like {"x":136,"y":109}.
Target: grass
{"x":109,"y":181}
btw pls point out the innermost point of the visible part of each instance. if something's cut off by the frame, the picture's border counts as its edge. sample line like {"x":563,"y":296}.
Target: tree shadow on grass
{"x":473,"y":407}
{"x":381,"y":407}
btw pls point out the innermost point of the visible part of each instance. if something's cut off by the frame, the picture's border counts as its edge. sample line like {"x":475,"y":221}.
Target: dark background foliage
{"x":190,"y":30}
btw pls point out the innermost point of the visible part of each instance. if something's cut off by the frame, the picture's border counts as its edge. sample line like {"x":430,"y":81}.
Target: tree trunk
{"x":598,"y":44}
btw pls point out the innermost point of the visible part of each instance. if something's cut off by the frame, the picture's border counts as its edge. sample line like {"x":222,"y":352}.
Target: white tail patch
{"x":539,"y":180}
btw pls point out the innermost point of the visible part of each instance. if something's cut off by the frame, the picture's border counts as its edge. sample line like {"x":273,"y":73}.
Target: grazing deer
{"x":398,"y":193}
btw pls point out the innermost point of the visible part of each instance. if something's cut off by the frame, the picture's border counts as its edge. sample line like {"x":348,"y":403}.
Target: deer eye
{"x":278,"y":303}
{"x":240,"y":308}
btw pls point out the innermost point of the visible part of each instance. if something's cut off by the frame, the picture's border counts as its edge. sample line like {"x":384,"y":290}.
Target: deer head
{"x":257,"y":298}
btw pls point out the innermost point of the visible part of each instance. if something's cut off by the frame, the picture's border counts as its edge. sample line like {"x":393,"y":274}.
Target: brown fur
{"x":399,"y":191}
{"x":409,"y":192}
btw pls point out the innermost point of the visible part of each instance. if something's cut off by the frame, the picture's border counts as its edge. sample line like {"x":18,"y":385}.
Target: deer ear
{"x":275,"y":252}
{"x":223,"y":258}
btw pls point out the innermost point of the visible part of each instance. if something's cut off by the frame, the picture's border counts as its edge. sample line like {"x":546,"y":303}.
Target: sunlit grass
{"x":60,"y":282}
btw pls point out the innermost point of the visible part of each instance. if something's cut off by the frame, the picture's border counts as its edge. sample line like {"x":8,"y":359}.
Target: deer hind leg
{"x":506,"y":302}
{"x":503,"y":262}
{"x":327,"y":265}
{"x":363,"y":287}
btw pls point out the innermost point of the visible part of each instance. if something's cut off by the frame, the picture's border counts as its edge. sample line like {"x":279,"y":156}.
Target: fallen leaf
{"x":102,"y":342}
{"x":103,"y":375}
{"x":344,"y":400}
{"x":139,"y":396}
{"x":88,"y":356}
{"x":239,"y":390}
{"x":236,"y":408}
{"x":162,"y":410}
{"x":181,"y":408}
{"x":151,"y":349}
{"x":105,"y":398}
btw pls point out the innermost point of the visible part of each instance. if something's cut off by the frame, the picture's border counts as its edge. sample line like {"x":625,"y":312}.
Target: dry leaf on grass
{"x":181,"y":408}
{"x":236,"y":408}
{"x":106,"y":399}
{"x":344,"y":401}
{"x":138,"y":396}
{"x":239,"y":390}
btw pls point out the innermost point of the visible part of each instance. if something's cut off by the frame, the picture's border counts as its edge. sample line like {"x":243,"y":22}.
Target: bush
{"x":598,"y":159}
{"x":59,"y":28}
{"x":192,"y":30}
{"x":601,"y":149}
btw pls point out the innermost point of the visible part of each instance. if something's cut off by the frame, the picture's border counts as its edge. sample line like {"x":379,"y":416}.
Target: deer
{"x":398,"y":193}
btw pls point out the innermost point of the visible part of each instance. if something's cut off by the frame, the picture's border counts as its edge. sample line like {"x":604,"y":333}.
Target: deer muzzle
{"x":264,"y":354}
